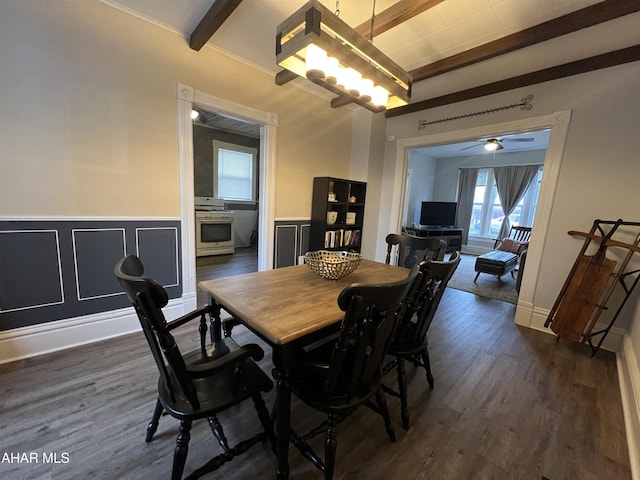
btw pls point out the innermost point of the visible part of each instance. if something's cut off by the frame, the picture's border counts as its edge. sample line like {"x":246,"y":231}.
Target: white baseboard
{"x":629,"y":380}
{"x":50,"y":337}
{"x":530,"y":316}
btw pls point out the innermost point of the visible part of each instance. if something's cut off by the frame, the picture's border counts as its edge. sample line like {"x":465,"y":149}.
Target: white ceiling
{"x":451,"y":27}
{"x":537,"y":140}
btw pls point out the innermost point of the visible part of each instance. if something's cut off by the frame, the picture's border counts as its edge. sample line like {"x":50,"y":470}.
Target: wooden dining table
{"x":288,"y":307}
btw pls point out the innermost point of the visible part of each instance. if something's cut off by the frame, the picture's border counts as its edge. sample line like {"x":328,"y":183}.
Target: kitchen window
{"x":234,"y":172}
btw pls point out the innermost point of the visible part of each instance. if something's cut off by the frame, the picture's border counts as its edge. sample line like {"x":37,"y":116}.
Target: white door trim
{"x":268,"y":122}
{"x":558,"y":122}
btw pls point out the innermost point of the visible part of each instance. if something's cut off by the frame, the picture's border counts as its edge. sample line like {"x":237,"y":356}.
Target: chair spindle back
{"x":366,"y":330}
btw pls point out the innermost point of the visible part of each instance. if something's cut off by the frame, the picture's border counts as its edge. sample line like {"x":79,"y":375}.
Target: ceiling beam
{"x":605,"y":60}
{"x":574,"y":21}
{"x":393,"y":16}
{"x":211,"y":22}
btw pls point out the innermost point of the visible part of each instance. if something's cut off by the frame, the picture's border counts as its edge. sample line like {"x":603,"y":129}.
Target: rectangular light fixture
{"x":315,"y":44}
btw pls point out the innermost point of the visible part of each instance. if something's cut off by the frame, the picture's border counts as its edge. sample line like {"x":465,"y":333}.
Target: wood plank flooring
{"x":508,"y":403}
{"x":244,"y":260}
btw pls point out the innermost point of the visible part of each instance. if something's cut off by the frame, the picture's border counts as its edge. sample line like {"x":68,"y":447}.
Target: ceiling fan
{"x":494,"y":144}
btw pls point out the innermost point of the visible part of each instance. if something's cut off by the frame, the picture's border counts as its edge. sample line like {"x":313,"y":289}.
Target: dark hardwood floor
{"x":244,"y":260}
{"x":508,"y":403}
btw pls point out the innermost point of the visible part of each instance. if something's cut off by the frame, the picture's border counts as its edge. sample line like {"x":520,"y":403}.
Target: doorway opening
{"x":558,"y":125}
{"x":433,"y":175}
{"x":267,"y":124}
{"x":226,"y":192}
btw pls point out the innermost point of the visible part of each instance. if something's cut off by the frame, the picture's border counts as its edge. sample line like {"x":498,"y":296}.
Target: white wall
{"x":634,"y":338}
{"x":447,"y":168}
{"x":374,"y":141}
{"x":423,"y":175}
{"x":89,"y":102}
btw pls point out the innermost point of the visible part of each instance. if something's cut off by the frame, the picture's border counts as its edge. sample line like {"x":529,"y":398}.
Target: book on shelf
{"x":355,"y":238}
{"x":341,"y":238}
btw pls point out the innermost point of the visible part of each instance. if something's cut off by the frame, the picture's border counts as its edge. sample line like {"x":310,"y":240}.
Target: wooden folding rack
{"x":590,"y":283}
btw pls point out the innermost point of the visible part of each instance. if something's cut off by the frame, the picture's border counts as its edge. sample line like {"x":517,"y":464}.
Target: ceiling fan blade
{"x":523,"y":139}
{"x":472,"y":146}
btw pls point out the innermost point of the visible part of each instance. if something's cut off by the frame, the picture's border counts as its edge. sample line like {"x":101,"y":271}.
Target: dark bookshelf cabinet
{"x":344,"y":199}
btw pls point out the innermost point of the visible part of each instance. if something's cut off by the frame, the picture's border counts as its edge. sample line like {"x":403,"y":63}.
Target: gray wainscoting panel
{"x":286,"y":245}
{"x":158,"y":248}
{"x":56,"y":269}
{"x":95,"y":252}
{"x":30,"y":270}
{"x":291,"y":241}
{"x":305,"y":231}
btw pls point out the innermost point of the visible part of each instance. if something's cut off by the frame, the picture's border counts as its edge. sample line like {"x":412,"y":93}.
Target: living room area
{"x":455,"y":186}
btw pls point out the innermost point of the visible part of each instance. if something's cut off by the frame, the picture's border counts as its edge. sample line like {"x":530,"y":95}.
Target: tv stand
{"x":451,"y":235}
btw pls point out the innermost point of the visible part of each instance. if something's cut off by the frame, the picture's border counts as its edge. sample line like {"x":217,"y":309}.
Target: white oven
{"x":214,"y":228}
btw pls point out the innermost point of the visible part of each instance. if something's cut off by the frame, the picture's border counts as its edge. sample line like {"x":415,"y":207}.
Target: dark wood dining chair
{"x":200,"y":384}
{"x":410,"y":338}
{"x":342,"y":373}
{"x":406,"y":250}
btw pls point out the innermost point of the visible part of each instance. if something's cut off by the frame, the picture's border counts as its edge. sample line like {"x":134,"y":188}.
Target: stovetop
{"x":207,"y":204}
{"x":214,"y":213}
{"x":207,"y":208}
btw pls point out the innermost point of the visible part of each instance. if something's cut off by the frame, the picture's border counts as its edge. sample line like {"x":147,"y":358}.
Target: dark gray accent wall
{"x":30,"y":272}
{"x":291,"y":241}
{"x":52,"y":270}
{"x":95,"y":251}
{"x":203,"y":138}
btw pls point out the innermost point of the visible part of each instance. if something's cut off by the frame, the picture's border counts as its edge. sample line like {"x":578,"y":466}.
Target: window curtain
{"x":511,"y":183}
{"x":466,"y":191}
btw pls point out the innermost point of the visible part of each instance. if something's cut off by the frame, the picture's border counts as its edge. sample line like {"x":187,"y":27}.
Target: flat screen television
{"x":441,"y":214}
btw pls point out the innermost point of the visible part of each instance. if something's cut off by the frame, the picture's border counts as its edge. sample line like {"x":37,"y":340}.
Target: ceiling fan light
{"x":194,"y":114}
{"x":492,"y":145}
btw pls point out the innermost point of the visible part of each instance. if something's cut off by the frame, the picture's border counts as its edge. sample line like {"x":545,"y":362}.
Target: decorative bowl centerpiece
{"x":332,"y":265}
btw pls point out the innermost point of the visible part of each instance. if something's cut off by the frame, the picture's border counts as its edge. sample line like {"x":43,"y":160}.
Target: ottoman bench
{"x":497,"y":263}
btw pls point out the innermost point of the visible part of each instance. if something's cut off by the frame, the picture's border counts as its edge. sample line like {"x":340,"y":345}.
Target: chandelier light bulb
{"x":331,"y":71}
{"x":366,"y":89}
{"x":380,"y":96}
{"x":341,"y":77}
{"x":316,"y":61}
{"x":352,"y":81}
{"x":314,"y":43}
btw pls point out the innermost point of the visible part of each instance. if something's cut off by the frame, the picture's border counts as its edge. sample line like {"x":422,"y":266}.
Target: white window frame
{"x":217,"y":145}
{"x":527,"y":211}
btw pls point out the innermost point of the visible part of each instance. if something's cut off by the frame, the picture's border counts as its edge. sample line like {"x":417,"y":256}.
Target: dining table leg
{"x":216,"y":321}
{"x":283,"y":410}
{"x":283,"y":422}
